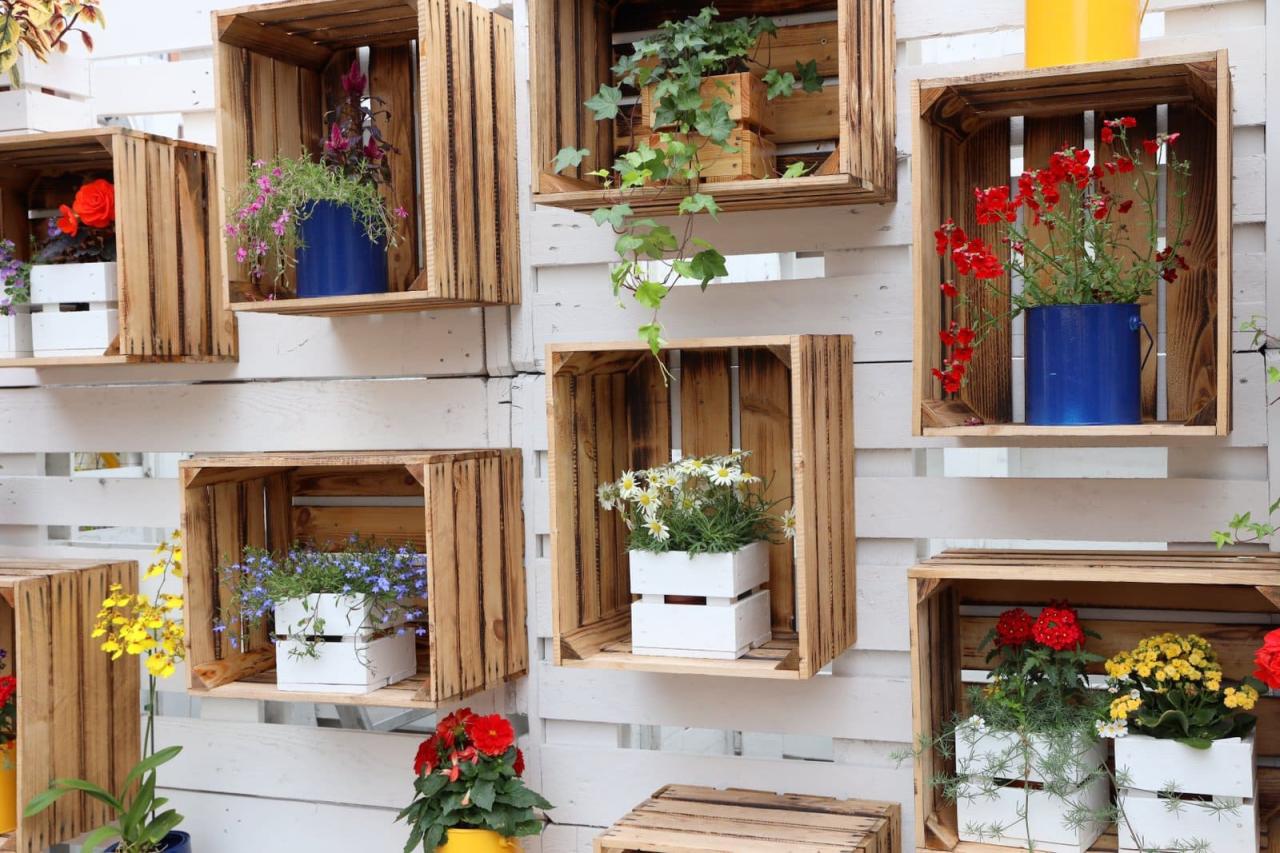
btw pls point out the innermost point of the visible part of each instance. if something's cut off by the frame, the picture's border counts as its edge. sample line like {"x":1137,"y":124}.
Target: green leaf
{"x":651,"y":333}
{"x":63,"y":786}
{"x":780,"y":85}
{"x":708,"y":264}
{"x":808,"y":74}
{"x":605,"y":102}
{"x":569,"y":158}
{"x":100,"y":836}
{"x":482,"y":794}
{"x":698,"y":203}
{"x":796,"y":169}
{"x":627,"y":244}
{"x":650,"y":294}
{"x":164,"y":823}
{"x":150,"y":763}
{"x":715,"y":124}
{"x":615,"y":216}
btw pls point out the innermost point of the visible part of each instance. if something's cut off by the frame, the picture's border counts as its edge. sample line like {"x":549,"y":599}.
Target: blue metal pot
{"x":338,"y":258}
{"x":1084,"y":365}
{"x":174,"y":842}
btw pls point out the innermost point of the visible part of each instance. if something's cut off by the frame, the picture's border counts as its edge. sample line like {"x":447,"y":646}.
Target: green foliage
{"x":140,"y":825}
{"x":702,"y":505}
{"x":675,"y":62}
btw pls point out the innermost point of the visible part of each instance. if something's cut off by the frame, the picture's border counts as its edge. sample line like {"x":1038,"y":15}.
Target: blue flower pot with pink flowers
{"x":337,"y":257}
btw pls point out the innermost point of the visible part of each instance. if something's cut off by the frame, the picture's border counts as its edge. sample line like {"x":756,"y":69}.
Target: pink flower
{"x":353,"y":82}
{"x":372,"y":151}
{"x":401,"y":213}
{"x":258,"y":164}
{"x":242,"y":255}
{"x":336,"y":141}
{"x":232,"y":228}
{"x":264,"y":184}
{"x":277,"y":173}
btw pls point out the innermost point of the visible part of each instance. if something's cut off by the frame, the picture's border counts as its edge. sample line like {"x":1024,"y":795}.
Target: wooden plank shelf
{"x":78,"y":711}
{"x":791,"y":406}
{"x":1230,"y":599}
{"x":171,"y":303}
{"x":849,"y":124}
{"x":962,"y":139}
{"x":443,"y":72}
{"x":691,"y":819}
{"x":461,"y":508}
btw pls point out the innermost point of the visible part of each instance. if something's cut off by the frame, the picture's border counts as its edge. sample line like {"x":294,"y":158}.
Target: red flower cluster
{"x":8,"y":689}
{"x":465,"y":737}
{"x":1013,"y":628}
{"x":969,"y":256}
{"x":1058,"y":627}
{"x":1268,"y":660}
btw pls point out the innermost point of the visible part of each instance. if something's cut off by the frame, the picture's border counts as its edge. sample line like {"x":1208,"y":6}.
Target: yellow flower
{"x":155,"y":570}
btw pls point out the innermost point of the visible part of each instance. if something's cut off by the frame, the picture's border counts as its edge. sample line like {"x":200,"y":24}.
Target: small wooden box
{"x":79,"y":712}
{"x":1230,"y":600}
{"x":961,"y":140}
{"x":444,"y":71}
{"x":171,"y":304}
{"x":850,"y":122}
{"x":689,"y":819}
{"x":466,"y":519}
{"x":609,"y":411}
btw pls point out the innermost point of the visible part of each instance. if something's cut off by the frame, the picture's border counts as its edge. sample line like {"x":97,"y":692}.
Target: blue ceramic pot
{"x":174,"y":842}
{"x":1084,"y":365}
{"x":338,"y":258}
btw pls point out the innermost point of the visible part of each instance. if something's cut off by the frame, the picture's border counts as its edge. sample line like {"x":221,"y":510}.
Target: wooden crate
{"x":852,"y":120}
{"x":79,"y":713}
{"x":171,"y":302}
{"x":469,"y":525}
{"x":445,"y":71}
{"x":961,"y":139}
{"x":690,"y":819}
{"x":1231,"y":600}
{"x":791,"y":405}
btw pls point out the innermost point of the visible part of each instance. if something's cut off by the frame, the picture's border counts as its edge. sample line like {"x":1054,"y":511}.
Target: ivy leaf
{"x":605,"y":102}
{"x":698,"y":203}
{"x":714,"y":123}
{"x":651,"y":333}
{"x":650,"y":294}
{"x":627,"y":244}
{"x":796,"y":169}
{"x":615,"y":216}
{"x":780,"y":85}
{"x":808,"y":74}
{"x":569,"y":158}
{"x":706,"y":265}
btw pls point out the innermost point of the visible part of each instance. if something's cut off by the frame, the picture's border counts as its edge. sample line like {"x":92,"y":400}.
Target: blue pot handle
{"x":1135,"y":323}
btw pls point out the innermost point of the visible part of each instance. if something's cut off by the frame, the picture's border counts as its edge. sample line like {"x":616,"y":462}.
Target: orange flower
{"x":96,"y":203}
{"x":67,"y":222}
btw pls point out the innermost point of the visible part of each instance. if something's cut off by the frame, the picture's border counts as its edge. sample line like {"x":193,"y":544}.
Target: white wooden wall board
{"x":918,"y":20}
{"x":348,"y":414}
{"x":1272,"y":239}
{"x":595,"y":787}
{"x":442,"y":343}
{"x":829,"y":705}
{"x":132,"y":28}
{"x":1220,"y":16}
{"x":28,"y":111}
{"x":185,"y":86}
{"x":84,"y":500}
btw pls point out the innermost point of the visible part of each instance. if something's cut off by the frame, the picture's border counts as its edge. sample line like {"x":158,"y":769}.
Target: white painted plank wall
{"x":473,"y":378}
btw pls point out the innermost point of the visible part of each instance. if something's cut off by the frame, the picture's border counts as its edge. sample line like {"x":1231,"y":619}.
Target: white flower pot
{"x":59,"y":330}
{"x":734,"y":619}
{"x":1219,"y":784}
{"x":349,"y":656}
{"x":15,"y":332}
{"x":994,"y":817}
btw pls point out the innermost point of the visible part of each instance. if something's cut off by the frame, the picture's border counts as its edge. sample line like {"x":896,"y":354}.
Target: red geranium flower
{"x":492,"y":735}
{"x":1013,"y":628}
{"x":1268,"y":660}
{"x":1058,"y":628}
{"x":428,"y":756}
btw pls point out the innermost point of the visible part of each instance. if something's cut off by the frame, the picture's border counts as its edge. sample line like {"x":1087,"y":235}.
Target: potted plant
{"x":8,"y":751}
{"x":469,"y":796}
{"x":15,"y":294}
{"x":42,"y":26}
{"x":327,"y":221}
{"x":704,"y":97}
{"x":339,"y":618}
{"x":150,"y":627}
{"x":73,"y":275}
{"x":1084,"y":271}
{"x":699,"y":551}
{"x":1184,"y":745}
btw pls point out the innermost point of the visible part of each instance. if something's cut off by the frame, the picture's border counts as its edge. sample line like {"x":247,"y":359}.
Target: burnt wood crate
{"x":79,"y":712}
{"x":1230,"y":600}
{"x":171,"y":303}
{"x":846,"y":131}
{"x":469,"y":524}
{"x":692,"y":819}
{"x":961,"y":140}
{"x":791,"y":406}
{"x":444,"y":70}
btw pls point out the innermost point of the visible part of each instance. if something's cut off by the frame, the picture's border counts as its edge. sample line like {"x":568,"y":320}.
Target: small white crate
{"x":733,"y":620}
{"x":74,"y":331}
{"x":981,"y":812}
{"x":348,"y":658}
{"x":333,"y":615}
{"x":1219,"y":784}
{"x":15,"y":333}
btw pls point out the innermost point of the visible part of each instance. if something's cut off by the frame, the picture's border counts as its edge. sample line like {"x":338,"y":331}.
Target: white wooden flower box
{"x":1217,"y":788}
{"x":995,"y":816}
{"x":734,"y":619}
{"x":349,"y":656}
{"x":61,"y":324}
{"x":15,"y":332}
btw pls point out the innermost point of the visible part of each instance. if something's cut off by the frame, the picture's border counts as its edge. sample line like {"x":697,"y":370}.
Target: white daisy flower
{"x":747,"y":477}
{"x":605,"y":495}
{"x":725,"y":475}
{"x":650,"y":501}
{"x":789,"y":523}
{"x":976,"y":723}
{"x":1120,"y":728}
{"x":689,"y":503}
{"x":695,"y":467}
{"x":659,"y":530}
{"x":628,"y":485}
{"x":670,"y":479}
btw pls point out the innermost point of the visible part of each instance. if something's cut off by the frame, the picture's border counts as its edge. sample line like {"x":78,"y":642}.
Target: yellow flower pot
{"x":1067,"y":32}
{"x":478,"y":841}
{"x":8,"y":787}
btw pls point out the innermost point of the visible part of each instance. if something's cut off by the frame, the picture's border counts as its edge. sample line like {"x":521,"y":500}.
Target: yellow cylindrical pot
{"x":1067,"y":32}
{"x":8,"y":787}
{"x":477,"y":841}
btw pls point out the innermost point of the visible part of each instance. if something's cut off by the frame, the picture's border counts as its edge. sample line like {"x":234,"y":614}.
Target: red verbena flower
{"x":1172,"y":138}
{"x":1151,"y":146}
{"x":1124,"y":165}
{"x":491,"y":735}
{"x":949,"y":290}
{"x":1125,"y":206}
{"x":1108,"y":135}
{"x":1128,"y":122}
{"x":993,"y":205}
{"x":1058,"y":628}
{"x":1013,"y":628}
